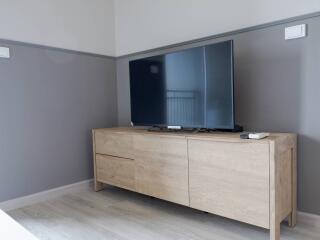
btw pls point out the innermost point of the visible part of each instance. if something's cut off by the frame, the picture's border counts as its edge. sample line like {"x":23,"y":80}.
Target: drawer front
{"x":162,"y":167}
{"x":114,"y":144}
{"x":230,"y":180}
{"x":115,"y":171}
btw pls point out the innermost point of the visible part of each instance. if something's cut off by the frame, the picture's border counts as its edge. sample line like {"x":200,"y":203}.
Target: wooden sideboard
{"x":252,"y":181}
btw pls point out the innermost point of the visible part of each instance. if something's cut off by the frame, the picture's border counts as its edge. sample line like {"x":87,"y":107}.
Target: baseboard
{"x":45,"y":195}
{"x":308,"y":219}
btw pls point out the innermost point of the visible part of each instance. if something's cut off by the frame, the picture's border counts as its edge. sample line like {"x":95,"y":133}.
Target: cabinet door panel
{"x":230,"y":179}
{"x":162,"y":167}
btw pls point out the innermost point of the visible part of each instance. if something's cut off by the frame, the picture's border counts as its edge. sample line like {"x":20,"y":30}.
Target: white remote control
{"x":258,"y":135}
{"x":254,"y":135}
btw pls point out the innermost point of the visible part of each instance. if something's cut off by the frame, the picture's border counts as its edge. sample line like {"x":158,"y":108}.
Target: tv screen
{"x":192,"y":88}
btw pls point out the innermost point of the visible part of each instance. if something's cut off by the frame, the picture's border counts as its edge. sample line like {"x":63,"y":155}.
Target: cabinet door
{"x":162,"y":167}
{"x":230,"y":179}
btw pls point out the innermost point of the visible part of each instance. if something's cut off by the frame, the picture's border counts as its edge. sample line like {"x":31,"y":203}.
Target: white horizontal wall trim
{"x":45,"y":195}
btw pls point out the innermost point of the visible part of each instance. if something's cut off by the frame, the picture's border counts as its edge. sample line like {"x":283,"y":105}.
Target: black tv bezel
{"x":231,"y":128}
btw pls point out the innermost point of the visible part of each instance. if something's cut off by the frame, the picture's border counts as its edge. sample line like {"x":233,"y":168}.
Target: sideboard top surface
{"x":216,"y":136}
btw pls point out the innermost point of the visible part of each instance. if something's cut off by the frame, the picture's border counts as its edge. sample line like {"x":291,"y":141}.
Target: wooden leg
{"x":98,"y":186}
{"x":275,"y":232}
{"x":274,"y":196}
{"x":292,"y":220}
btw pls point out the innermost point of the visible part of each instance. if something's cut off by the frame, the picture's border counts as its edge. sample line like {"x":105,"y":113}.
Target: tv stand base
{"x":251,"y":181}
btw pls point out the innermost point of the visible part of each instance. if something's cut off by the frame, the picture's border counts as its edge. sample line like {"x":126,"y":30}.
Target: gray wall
{"x":277,"y":89}
{"x":49,"y":101}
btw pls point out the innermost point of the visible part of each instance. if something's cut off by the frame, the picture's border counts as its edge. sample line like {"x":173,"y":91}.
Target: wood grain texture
{"x":253,"y":181}
{"x":162,"y":167}
{"x":116,"y":171}
{"x":216,"y":136}
{"x":230,"y":179}
{"x":116,"y":214}
{"x":118,"y":144}
{"x":285,"y":179}
{"x":282,"y":183}
{"x":274,"y":194}
{"x":293,"y":216}
{"x":98,"y":186}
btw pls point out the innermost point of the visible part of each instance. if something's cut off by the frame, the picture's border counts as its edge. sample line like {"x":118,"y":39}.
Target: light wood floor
{"x":122,"y":215}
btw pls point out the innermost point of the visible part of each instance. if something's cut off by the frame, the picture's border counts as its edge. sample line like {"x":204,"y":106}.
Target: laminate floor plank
{"x":118,"y":214}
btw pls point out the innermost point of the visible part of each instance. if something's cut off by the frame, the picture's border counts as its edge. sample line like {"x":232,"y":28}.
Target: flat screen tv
{"x":192,"y":88}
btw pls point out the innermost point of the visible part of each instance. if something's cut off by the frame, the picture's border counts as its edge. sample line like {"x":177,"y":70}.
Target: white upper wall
{"x":146,"y":24}
{"x":82,"y":25}
{"x":119,"y":27}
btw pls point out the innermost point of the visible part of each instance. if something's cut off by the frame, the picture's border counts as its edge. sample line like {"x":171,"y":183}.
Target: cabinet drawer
{"x":114,"y":144}
{"x":230,"y":179}
{"x":115,"y":171}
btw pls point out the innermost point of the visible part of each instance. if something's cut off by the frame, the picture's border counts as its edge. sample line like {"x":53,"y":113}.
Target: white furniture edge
{"x":45,"y":195}
{"x":11,"y":230}
{"x":303,"y":217}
